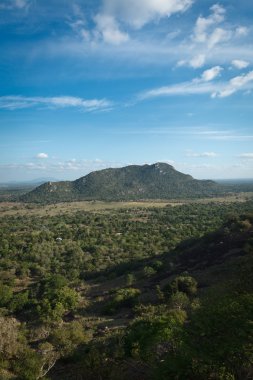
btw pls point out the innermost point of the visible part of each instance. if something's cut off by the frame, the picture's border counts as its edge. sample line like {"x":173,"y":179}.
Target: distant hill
{"x":28,"y":183}
{"x":134,"y":182}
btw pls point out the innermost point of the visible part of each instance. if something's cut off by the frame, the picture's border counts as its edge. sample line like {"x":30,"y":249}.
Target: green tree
{"x":66,"y":338}
{"x":6,"y":294}
{"x":28,"y":365}
{"x":184,"y":284}
{"x":145,"y":338}
{"x":220,"y":335}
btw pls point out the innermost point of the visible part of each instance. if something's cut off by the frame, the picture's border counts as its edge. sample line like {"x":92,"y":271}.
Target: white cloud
{"x":241,"y":31}
{"x":114,"y":14}
{"x":246,"y":155}
{"x":212,"y":73}
{"x":204,"y":85}
{"x":197,"y":61}
{"x":204,"y":154}
{"x":194,"y":87}
{"x":208,"y":34}
{"x":217,"y":36}
{"x":235,"y":84}
{"x":223,"y":135}
{"x":138,"y":13}
{"x":240,"y":64}
{"x":77,"y":167}
{"x":109,"y":29}
{"x":19,"y":102}
{"x":203,"y":24}
{"x":42,"y":155}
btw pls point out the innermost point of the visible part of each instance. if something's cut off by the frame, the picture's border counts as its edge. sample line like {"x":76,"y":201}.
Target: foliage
{"x":126,"y":297}
{"x":55,"y":298}
{"x":145,"y":335}
{"x":127,"y":183}
{"x":220,"y":334}
{"x":66,"y":338}
{"x":183,"y":284}
{"x":6,"y":295}
{"x":61,"y":274}
{"x":28,"y":365}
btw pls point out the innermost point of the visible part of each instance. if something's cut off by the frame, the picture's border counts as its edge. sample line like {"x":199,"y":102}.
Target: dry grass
{"x":24,"y":209}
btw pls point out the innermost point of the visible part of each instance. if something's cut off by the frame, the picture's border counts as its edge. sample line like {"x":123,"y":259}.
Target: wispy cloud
{"x":204,"y":85}
{"x":206,"y":35}
{"x":235,"y":84}
{"x":203,"y":24}
{"x":209,"y":33}
{"x":81,"y":167}
{"x":19,"y":102}
{"x":222,"y":135}
{"x":211,"y":74}
{"x":186,"y":88}
{"x":14,"y":4}
{"x":204,"y":132}
{"x":240,"y":64}
{"x":242,"y":31}
{"x":246,"y":155}
{"x":201,"y":155}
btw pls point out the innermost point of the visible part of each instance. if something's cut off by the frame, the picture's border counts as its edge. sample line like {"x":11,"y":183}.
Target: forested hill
{"x":135,"y":182}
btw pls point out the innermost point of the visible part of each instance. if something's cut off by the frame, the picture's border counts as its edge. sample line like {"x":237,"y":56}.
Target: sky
{"x":91,"y":84}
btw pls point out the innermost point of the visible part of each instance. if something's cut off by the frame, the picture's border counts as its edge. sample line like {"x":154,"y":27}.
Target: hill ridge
{"x":133,"y":182}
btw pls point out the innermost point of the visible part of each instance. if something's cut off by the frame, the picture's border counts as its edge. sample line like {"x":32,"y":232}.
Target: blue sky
{"x":92,"y":84}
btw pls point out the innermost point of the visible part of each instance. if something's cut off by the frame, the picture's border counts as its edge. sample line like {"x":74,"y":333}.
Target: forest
{"x":136,"y":292}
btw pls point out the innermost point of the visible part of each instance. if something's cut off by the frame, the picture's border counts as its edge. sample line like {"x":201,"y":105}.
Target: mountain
{"x":134,"y":182}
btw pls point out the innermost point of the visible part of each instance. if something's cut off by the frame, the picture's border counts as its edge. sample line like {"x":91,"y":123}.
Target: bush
{"x":66,"y":338}
{"x":184,"y":284}
{"x":144,"y":336}
{"x":5,"y":295}
{"x":123,"y":298}
{"x":148,"y":271}
{"x":28,"y":365}
{"x":19,"y":302}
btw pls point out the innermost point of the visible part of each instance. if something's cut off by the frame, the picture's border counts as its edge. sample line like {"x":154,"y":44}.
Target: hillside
{"x":189,"y":317}
{"x":157,"y":181}
{"x":146,"y":293}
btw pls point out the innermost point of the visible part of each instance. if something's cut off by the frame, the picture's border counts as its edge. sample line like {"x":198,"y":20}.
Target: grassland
{"x":24,"y":209}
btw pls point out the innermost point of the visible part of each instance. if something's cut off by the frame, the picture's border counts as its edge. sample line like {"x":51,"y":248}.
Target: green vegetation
{"x":158,"y":181}
{"x":142,"y":293}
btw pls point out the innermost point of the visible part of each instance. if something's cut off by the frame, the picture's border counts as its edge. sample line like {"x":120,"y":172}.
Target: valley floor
{"x":140,"y":290}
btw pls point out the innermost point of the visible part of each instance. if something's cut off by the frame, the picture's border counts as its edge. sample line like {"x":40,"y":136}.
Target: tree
{"x":6,"y":294}
{"x":147,"y":337}
{"x":184,"y":283}
{"x":66,"y":338}
{"x":28,"y":365}
{"x":220,"y":334}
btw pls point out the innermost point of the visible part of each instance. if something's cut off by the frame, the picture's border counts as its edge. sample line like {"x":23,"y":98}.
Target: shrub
{"x":184,"y":283}
{"x":123,"y":298}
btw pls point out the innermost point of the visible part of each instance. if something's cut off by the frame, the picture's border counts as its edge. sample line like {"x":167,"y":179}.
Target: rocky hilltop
{"x":134,"y":182}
